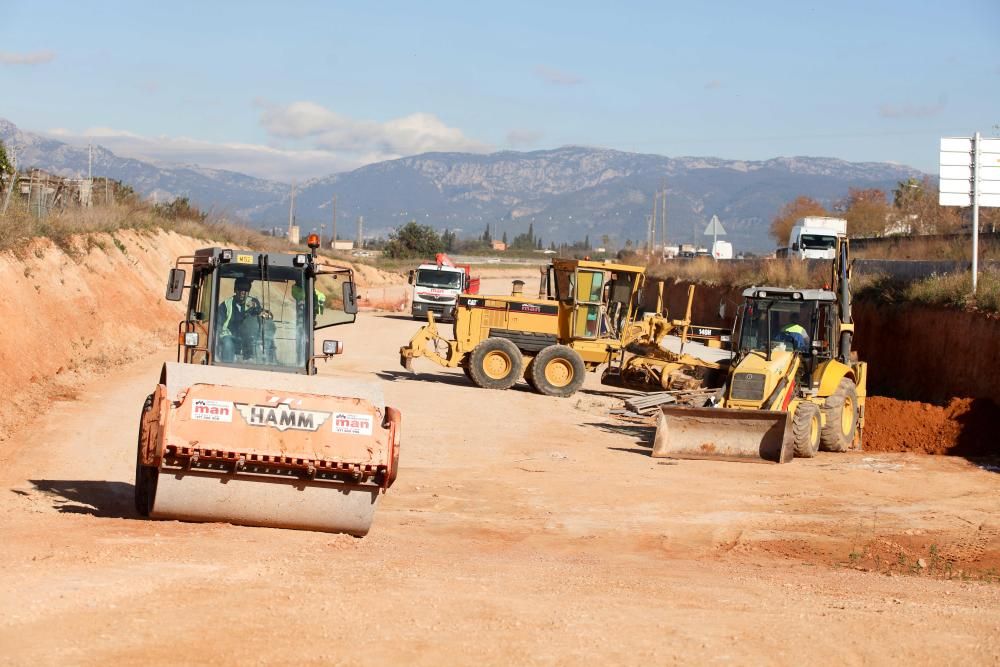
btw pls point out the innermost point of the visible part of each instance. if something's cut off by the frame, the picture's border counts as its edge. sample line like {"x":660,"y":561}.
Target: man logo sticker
{"x":352,"y":424}
{"x":211,"y":411}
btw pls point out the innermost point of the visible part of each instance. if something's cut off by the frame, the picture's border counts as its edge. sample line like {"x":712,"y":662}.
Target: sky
{"x":297,"y":90}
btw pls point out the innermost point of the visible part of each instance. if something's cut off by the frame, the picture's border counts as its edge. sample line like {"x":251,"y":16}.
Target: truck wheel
{"x":841,"y":410}
{"x":468,"y":373}
{"x":558,"y":371}
{"x":145,"y":476}
{"x":805,"y":430}
{"x":496,"y":363}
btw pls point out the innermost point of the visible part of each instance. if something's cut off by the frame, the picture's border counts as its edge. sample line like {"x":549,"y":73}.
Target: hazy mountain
{"x":566,"y":193}
{"x":213,"y":189}
{"x":571,"y":192}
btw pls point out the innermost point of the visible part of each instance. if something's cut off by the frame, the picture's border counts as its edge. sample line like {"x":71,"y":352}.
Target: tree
{"x":486,"y":235}
{"x":448,"y":240}
{"x":781,"y":225}
{"x":5,"y":165}
{"x":179,"y":209}
{"x":918,"y":211}
{"x":413,"y":240}
{"x":866,"y":210}
{"x":505,"y":238}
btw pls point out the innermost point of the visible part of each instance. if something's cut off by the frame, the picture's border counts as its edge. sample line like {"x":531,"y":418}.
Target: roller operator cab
{"x":269,"y":323}
{"x":242,"y":429}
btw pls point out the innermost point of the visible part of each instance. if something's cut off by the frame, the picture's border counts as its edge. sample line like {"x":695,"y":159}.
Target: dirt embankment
{"x":965,"y":427}
{"x":70,"y":314}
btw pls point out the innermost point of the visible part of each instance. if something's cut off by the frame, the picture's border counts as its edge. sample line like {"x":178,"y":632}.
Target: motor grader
{"x":794,"y":385}
{"x":586,"y":314}
{"x":241,"y":429}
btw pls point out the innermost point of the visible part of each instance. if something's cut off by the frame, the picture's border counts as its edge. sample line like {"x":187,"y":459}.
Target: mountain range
{"x":565,"y":194}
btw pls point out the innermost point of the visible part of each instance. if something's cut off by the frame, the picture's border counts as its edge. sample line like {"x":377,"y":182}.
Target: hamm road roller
{"x":241,"y":429}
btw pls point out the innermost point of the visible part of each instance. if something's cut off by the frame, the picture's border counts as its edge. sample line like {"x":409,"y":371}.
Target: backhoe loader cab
{"x":774,"y":319}
{"x":242,"y":429}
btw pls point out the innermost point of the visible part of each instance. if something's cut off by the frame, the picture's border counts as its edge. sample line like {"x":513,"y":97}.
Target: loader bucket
{"x":760,"y":436}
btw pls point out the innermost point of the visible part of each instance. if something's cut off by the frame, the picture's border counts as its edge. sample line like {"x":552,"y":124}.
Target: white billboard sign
{"x":959,"y":176}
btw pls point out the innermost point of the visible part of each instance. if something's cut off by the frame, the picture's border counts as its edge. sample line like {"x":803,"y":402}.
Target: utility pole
{"x":651,"y":232}
{"x":291,"y":211}
{"x":361,"y":230}
{"x":333,"y":243}
{"x":663,"y":215}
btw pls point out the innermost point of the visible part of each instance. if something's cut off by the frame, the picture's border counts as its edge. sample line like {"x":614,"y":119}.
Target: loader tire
{"x":145,"y":476}
{"x":841,"y":410}
{"x":496,"y":363}
{"x":558,"y":371}
{"x":527,"y":375}
{"x":468,"y":373}
{"x":805,"y":430}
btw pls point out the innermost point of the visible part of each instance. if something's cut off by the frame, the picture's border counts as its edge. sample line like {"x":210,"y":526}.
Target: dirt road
{"x":523,"y":529}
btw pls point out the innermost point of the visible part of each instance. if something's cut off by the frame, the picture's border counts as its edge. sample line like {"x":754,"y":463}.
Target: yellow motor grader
{"x":241,"y":429}
{"x":586,"y":314}
{"x":793,"y":387}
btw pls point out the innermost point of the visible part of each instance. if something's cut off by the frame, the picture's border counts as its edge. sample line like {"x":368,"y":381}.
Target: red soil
{"x":965,"y":427}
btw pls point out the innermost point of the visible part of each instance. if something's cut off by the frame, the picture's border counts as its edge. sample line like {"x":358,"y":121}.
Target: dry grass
{"x":773,"y":272}
{"x":924,"y":248}
{"x":18,"y":227}
{"x":953,"y":290}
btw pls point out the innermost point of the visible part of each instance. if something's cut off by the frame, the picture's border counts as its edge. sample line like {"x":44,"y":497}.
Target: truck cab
{"x":815,"y":237}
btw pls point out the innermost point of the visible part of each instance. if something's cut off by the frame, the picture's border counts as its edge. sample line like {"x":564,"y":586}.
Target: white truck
{"x":436,"y":287}
{"x":722,"y":250}
{"x":814,"y":237}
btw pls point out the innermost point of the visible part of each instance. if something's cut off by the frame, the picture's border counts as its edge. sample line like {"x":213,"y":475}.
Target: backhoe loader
{"x":241,"y":429}
{"x":794,"y":386}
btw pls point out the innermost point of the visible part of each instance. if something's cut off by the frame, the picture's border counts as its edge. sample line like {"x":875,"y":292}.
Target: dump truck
{"x":241,"y":428}
{"x":793,"y":387}
{"x":586,"y":314}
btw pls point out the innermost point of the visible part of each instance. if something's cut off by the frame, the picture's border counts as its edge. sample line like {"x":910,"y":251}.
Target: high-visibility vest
{"x":795,"y":329}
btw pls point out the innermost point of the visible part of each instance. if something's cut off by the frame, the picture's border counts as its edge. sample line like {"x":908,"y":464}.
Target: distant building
{"x":342,"y":245}
{"x":499,"y":246}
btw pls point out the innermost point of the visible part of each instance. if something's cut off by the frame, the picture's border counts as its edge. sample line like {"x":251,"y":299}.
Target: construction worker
{"x":796,"y":333}
{"x":319,"y":298}
{"x":239,"y":329}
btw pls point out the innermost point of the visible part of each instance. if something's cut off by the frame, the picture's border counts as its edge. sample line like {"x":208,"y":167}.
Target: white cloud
{"x":309,"y":141}
{"x":33,"y":58}
{"x":714,"y":84}
{"x":908,"y":110}
{"x":557,"y":77}
{"x":253,"y":159}
{"x":363,"y":140}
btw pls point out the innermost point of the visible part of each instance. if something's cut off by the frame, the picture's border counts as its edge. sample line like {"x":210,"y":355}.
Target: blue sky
{"x":296,"y":90}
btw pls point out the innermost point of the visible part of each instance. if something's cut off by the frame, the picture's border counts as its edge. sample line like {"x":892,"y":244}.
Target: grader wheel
{"x":558,"y":370}
{"x":496,"y":363}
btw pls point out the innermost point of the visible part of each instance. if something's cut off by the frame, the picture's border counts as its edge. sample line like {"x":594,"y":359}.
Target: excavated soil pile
{"x":965,"y":427}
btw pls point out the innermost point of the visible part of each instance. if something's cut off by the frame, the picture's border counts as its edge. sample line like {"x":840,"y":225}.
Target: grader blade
{"x":758,"y":436}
